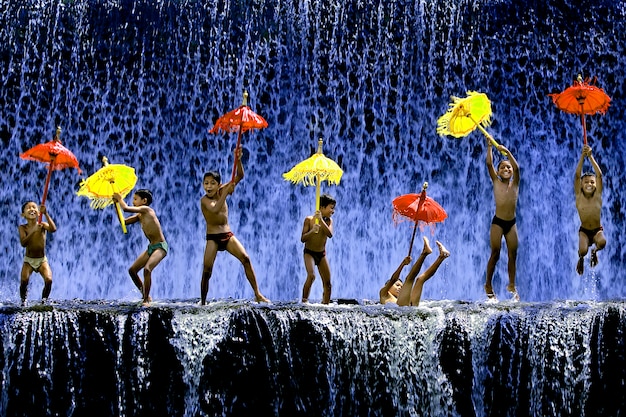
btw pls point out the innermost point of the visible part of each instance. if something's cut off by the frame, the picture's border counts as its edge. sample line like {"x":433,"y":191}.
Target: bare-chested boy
{"x":588,"y":193}
{"x":315,"y":232}
{"x":157,"y":248}
{"x":219,"y":237}
{"x":505,"y":191}
{"x":33,"y":238}
{"x":410,"y":293}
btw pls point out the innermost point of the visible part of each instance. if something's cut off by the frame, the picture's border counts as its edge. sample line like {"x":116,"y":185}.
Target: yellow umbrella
{"x":314,"y":170}
{"x":108,"y":180}
{"x":465,"y":115}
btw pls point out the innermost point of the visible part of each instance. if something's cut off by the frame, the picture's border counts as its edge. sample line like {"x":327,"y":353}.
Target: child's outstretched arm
{"x":597,"y":170}
{"x":396,"y":275}
{"x":135,"y":217}
{"x":579,"y":171}
{"x":489,"y":160}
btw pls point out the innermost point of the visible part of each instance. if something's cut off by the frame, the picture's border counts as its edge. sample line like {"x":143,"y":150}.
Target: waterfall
{"x":142,"y":82}
{"x":233,"y":358}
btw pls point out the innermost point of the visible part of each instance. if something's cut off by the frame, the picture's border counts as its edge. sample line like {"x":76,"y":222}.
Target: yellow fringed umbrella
{"x":108,"y":180}
{"x":314,"y":170}
{"x":465,"y":115}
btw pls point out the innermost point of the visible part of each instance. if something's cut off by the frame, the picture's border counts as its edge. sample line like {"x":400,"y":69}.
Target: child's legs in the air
{"x":583,"y":247}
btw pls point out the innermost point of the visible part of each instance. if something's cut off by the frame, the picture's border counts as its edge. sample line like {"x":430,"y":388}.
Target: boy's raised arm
{"x":489,"y":160}
{"x":579,"y":172}
{"x":50,"y":226}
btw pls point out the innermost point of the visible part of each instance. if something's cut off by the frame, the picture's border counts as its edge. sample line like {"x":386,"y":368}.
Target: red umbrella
{"x":239,"y":120}
{"x":55,"y":155}
{"x":582,"y":98}
{"x":418,"y":208}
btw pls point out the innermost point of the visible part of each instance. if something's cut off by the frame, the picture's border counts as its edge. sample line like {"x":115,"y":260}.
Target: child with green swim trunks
{"x":33,"y":238}
{"x":157,"y":249}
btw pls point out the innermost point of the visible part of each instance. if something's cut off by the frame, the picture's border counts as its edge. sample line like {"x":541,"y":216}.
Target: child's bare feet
{"x":491,"y":297}
{"x":511,"y":288}
{"x":443,"y":252}
{"x":427,"y":250}
{"x":580,"y":266}
{"x":594,"y":258}
{"x":260,"y":298}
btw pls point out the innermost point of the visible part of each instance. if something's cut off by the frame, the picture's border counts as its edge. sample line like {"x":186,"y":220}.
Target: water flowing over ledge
{"x":142,"y":82}
{"x":239,"y":358}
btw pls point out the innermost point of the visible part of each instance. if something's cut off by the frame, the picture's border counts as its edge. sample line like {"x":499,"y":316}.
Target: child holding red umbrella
{"x":410,"y":292}
{"x":588,"y":193}
{"x":33,"y":238}
{"x":219,"y":236}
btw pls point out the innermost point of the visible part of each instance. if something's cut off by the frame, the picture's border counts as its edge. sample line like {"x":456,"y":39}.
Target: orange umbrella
{"x":582,"y":98}
{"x":239,"y":120}
{"x":55,"y":155}
{"x":418,"y":208}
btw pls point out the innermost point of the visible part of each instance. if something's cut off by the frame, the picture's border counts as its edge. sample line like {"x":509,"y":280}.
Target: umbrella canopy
{"x":108,"y":180}
{"x":582,"y":98}
{"x":239,"y":120}
{"x":464,"y":115}
{"x":418,"y":208}
{"x":55,"y":155}
{"x":314,"y":170}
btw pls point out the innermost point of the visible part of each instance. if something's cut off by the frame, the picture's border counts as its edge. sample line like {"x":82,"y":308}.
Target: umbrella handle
{"x":412,"y":239}
{"x":118,"y":208}
{"x":493,"y":141}
{"x":482,"y":129}
{"x":45,"y":189}
{"x":232,"y":178}
{"x":317,"y":196}
{"x":120,"y":216}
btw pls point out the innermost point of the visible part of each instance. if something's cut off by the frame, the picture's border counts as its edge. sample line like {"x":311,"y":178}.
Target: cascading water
{"x":238,"y":359}
{"x":142,"y":82}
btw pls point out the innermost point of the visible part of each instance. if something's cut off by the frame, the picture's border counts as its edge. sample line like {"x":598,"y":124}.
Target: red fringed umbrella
{"x":239,"y":120}
{"x":582,"y":98}
{"x":418,"y":208}
{"x":55,"y":155}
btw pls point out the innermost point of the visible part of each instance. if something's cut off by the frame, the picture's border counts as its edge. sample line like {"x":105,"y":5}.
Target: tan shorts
{"x":35,"y":263}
